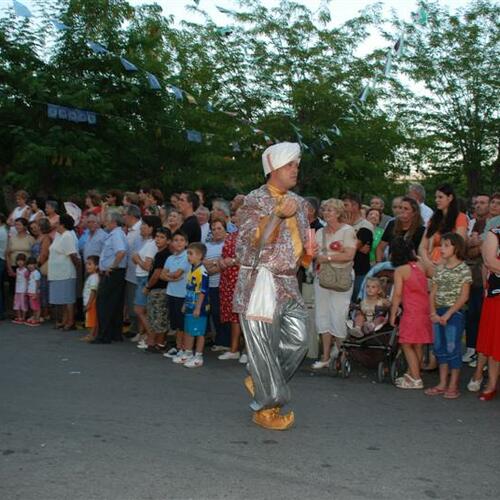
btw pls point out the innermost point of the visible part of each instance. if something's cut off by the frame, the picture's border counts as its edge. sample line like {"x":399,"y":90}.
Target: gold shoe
{"x":271,"y":419}
{"x":249,"y":385}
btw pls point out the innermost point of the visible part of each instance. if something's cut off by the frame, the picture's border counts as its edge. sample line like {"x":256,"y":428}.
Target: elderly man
{"x":132,"y":218}
{"x":110,"y":294}
{"x":95,"y":238}
{"x":270,"y":247}
{"x":203,"y":216}
{"x":378,"y":204}
{"x":417,"y":192}
{"x":221,"y":209}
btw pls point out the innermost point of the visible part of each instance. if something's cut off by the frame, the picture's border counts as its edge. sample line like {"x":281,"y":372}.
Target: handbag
{"x":338,"y":279}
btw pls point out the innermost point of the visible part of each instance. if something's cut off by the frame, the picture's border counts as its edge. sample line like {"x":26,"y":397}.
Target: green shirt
{"x":449,"y":283}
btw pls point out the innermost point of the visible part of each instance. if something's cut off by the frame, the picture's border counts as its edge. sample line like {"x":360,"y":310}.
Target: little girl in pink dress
{"x":415,"y":327}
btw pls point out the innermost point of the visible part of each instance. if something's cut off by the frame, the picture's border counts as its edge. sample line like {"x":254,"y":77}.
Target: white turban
{"x":278,"y":155}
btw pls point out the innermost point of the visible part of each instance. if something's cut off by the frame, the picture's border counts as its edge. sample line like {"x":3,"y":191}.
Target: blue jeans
{"x":2,"y":287}
{"x":447,"y":339}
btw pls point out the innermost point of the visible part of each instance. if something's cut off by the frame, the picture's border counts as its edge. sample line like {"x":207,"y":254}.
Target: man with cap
{"x":270,"y":247}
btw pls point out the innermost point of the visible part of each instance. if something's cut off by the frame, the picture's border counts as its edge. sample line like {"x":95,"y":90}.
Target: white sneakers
{"x":317,"y":365}
{"x":219,"y":348}
{"x":408,"y":382}
{"x":474,"y":385}
{"x":194,"y":361}
{"x":181,"y":357}
{"x":468,"y":355}
{"x":243,"y":359}
{"x":171,"y":353}
{"x":229,"y":355}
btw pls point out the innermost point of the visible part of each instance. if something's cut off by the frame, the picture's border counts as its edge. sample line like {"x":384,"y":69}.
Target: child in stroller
{"x":372,"y":313}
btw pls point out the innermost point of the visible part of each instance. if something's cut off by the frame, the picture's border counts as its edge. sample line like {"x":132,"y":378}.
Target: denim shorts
{"x":140,"y":299}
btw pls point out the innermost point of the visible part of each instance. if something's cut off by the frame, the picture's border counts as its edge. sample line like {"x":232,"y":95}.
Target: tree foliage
{"x":284,"y":70}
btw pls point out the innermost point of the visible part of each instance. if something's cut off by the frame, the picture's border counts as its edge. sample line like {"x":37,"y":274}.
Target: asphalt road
{"x":110,"y":422}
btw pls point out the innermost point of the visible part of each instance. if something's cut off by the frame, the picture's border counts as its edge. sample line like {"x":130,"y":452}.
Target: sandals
{"x":452,"y":394}
{"x":434,"y":391}
{"x":408,"y":382}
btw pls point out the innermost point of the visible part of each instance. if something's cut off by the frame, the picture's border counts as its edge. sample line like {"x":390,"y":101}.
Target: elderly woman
{"x":214,"y":252}
{"x":51,"y":208}
{"x":229,"y":266}
{"x":488,"y":342}
{"x":20,"y":241}
{"x":336,"y":247}
{"x":22,"y":210}
{"x":63,"y":265}
{"x":408,"y":224}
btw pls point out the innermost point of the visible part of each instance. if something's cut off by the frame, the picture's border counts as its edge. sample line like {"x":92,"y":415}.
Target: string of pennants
{"x":82,"y":116}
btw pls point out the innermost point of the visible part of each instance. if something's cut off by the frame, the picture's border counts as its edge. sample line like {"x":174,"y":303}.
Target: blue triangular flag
{"x":97,"y":48}
{"x":209,"y":108}
{"x":364,"y":93}
{"x":91,"y":118}
{"x":52,"y":110}
{"x":21,"y":10}
{"x":398,"y":46}
{"x":336,"y":130}
{"x":194,"y":136}
{"x":154,"y":84}
{"x":177,"y":92}
{"x":128,"y":65}
{"x":58,"y":25}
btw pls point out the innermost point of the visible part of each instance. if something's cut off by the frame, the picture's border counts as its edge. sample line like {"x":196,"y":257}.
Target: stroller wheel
{"x":398,"y":367}
{"x":345,"y":368}
{"x":381,"y":371}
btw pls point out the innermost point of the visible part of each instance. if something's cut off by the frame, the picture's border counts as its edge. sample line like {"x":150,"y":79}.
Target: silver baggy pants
{"x":275,"y":351}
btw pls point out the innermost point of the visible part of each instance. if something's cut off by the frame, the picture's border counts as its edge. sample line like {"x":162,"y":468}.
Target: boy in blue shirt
{"x":175,"y":272}
{"x":196,"y":306}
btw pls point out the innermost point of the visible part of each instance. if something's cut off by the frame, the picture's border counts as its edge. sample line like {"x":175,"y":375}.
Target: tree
{"x":455,"y":121}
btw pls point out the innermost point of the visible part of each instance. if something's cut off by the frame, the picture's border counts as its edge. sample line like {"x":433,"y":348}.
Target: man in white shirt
{"x":417,"y":192}
{"x":132,"y":218}
{"x":203,"y":215}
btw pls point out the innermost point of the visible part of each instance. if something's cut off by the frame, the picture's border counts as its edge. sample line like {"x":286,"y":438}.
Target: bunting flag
{"x":398,"y":46}
{"x":190,"y":99}
{"x":335,"y":130}
{"x":128,"y":65}
{"x":97,"y":48}
{"x":154,"y":84}
{"x":223,"y":10}
{"x":21,"y":10}
{"x":177,"y":92}
{"x":422,"y":16}
{"x":58,"y":25}
{"x":71,"y":114}
{"x":236,"y":147}
{"x":224,"y":31}
{"x":364,"y":93}
{"x":194,"y":136}
{"x":325,"y":138}
{"x":209,"y":108}
{"x":388,"y":64}
{"x":230,"y":113}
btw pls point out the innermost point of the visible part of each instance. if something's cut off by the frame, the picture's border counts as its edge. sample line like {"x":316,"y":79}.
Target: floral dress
{"x":228,"y":279}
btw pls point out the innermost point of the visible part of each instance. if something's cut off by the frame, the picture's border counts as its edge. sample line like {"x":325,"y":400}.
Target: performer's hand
{"x":287,"y":209}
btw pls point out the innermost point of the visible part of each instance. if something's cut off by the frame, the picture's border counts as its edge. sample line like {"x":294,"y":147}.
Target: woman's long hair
{"x":416,"y":220}
{"x":440,"y":223}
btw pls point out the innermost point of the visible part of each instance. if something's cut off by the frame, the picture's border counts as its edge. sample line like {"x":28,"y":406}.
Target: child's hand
{"x":183,"y":309}
{"x":435,"y":318}
{"x":145,"y":290}
{"x":196,"y":312}
{"x":443,"y":320}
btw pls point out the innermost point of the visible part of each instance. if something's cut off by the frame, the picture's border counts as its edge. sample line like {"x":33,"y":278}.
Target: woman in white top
{"x":37,"y":206}
{"x":22,"y":210}
{"x":336,"y":245}
{"x":63,"y":265}
{"x":143,"y":260}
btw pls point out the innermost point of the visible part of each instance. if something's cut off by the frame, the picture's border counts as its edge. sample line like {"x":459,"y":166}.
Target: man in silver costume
{"x":270,"y":247}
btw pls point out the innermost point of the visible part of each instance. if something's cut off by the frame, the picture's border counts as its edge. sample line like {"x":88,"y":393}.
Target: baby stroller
{"x":377,"y":349}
